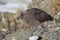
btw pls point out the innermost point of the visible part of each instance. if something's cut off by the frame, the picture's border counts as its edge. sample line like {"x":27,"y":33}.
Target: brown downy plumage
{"x":35,"y":16}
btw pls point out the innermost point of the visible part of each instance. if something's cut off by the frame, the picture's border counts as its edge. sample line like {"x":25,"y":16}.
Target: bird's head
{"x":21,"y":16}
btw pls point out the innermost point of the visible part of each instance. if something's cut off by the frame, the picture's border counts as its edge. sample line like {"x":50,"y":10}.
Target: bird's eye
{"x":21,"y":15}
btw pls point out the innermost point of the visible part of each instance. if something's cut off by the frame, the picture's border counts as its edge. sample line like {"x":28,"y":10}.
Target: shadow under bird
{"x":35,"y":16}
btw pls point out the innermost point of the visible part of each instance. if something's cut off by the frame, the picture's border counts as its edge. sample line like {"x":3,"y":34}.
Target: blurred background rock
{"x":20,"y":31}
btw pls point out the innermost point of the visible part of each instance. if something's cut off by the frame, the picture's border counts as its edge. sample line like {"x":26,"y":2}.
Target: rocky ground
{"x":52,"y":32}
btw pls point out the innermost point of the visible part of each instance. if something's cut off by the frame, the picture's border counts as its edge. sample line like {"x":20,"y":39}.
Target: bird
{"x":35,"y":16}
